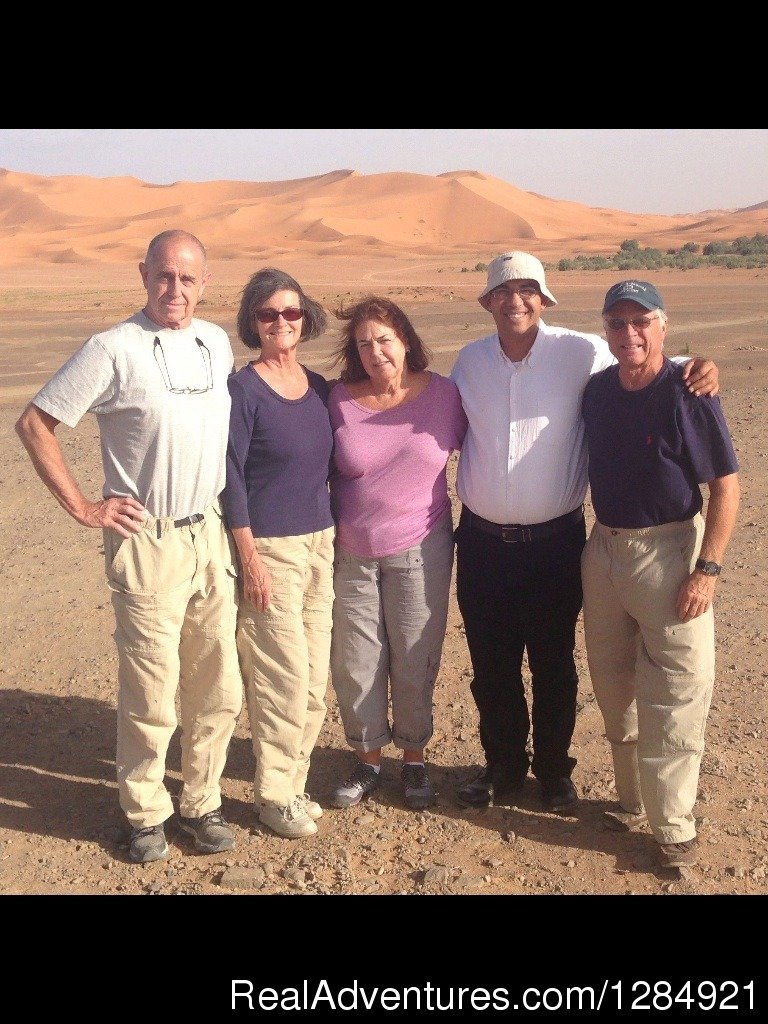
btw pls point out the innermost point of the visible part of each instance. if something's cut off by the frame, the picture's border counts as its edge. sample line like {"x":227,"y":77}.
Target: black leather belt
{"x":198,"y":517}
{"x":514,"y":533}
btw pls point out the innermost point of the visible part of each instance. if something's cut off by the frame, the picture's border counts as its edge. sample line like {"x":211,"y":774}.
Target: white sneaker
{"x":312,"y":807}
{"x":291,"y":822}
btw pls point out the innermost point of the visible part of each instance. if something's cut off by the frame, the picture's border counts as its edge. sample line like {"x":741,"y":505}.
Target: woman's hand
{"x":257,"y":582}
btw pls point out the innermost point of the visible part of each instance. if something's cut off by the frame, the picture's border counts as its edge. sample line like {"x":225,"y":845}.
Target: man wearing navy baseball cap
{"x":641,"y":292}
{"x":650,"y":566}
{"x":522,"y":481}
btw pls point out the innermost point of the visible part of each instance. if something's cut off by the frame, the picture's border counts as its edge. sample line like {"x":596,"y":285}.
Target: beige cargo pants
{"x":174,"y":592}
{"x":652,"y":674}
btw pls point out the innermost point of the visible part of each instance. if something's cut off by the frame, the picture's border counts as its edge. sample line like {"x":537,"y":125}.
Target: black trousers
{"x":515,"y":599}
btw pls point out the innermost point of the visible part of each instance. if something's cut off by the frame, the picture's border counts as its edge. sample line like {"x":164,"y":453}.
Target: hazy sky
{"x":638,"y":170}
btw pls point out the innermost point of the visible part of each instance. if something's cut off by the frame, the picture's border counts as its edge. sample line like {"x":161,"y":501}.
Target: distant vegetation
{"x":741,"y":252}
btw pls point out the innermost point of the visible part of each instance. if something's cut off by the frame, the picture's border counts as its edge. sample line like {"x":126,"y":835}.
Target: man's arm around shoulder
{"x":701,"y":376}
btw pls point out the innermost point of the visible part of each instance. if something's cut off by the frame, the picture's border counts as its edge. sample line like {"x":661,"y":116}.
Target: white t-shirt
{"x":162,"y":404}
{"x":524,"y":459}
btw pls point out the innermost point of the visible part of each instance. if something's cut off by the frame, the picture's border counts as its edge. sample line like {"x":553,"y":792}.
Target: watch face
{"x":708,"y":568}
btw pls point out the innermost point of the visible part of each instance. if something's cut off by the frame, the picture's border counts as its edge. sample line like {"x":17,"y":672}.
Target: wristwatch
{"x":708,"y":568}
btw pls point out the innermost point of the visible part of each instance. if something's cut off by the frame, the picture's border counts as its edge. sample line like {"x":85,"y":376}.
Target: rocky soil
{"x":61,"y":832}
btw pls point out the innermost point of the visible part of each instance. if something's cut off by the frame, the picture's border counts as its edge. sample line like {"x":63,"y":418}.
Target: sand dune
{"x":75,"y":219}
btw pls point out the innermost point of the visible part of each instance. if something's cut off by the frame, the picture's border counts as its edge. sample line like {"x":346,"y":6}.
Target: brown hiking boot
{"x":679,"y":855}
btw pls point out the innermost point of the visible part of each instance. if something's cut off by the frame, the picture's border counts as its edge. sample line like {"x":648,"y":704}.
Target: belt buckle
{"x":196,"y":517}
{"x":512,"y":534}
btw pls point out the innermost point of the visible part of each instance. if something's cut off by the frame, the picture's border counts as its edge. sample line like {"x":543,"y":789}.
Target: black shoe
{"x":147,"y":844}
{"x":418,"y":788}
{"x":363,"y":781}
{"x":491,"y":784}
{"x":558,"y":794}
{"x":211,"y":834}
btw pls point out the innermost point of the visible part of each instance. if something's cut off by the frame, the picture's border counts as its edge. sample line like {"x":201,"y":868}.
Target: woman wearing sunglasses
{"x":278,"y":509}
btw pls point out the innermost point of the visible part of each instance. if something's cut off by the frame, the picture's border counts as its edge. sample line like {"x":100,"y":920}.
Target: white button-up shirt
{"x":524,"y":458}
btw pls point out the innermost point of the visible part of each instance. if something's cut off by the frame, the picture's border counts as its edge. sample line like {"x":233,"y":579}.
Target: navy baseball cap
{"x":641,"y":292}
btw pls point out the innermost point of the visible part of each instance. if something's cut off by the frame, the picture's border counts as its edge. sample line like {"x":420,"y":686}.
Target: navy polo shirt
{"x":649,"y":450}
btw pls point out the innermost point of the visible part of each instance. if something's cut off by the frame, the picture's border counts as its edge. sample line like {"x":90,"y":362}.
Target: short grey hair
{"x":262,"y":285}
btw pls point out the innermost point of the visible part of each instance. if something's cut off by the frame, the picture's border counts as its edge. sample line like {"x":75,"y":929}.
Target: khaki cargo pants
{"x":174,"y":592}
{"x":284,"y":655}
{"x":652,"y":674}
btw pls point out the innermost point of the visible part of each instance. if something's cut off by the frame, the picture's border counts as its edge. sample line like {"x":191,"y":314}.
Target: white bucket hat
{"x":516,"y":266}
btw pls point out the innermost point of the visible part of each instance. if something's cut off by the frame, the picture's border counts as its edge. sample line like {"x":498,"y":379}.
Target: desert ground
{"x":61,"y":830}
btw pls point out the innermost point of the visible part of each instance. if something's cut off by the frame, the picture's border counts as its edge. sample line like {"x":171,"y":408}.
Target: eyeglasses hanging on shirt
{"x":176,"y":389}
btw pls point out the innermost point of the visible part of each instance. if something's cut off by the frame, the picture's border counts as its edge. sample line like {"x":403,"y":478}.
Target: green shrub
{"x":749,"y":253}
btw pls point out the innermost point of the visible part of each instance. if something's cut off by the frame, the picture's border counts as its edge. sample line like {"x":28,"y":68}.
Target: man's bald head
{"x":175,"y":274}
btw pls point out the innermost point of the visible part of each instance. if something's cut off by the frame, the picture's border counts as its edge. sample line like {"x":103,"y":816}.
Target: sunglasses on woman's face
{"x":269,"y":316}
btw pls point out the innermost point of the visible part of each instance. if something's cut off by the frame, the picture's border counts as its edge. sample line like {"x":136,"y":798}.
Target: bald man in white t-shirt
{"x":157,"y":384}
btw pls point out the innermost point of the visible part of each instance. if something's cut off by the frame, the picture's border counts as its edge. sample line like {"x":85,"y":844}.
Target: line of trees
{"x":741,"y":252}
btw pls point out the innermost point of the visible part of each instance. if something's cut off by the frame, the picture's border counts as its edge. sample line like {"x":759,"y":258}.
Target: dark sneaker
{"x":419,"y":791}
{"x":361,"y":783}
{"x":211,"y":834}
{"x":491,"y":784}
{"x":558,"y":794}
{"x":679,"y":855}
{"x":147,"y":844}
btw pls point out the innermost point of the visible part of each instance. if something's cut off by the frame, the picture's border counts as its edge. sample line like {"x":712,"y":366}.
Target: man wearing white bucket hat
{"x":522,"y":481}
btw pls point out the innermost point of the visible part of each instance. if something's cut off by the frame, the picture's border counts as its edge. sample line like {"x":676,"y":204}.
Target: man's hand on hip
{"x":123,"y":515}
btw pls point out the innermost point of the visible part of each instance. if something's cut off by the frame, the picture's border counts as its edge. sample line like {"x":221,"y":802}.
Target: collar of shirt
{"x":530,"y":357}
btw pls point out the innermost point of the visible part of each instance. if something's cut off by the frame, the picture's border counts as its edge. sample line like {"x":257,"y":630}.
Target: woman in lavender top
{"x":278,"y":509}
{"x":395,"y":424}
